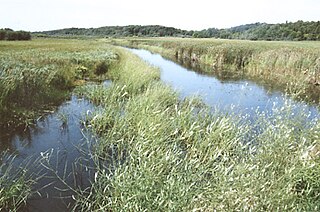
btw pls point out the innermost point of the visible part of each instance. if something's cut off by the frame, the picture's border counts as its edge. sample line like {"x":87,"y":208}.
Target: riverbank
{"x":36,"y":82}
{"x":38,"y":75}
{"x":159,"y":153}
{"x":293,"y":66}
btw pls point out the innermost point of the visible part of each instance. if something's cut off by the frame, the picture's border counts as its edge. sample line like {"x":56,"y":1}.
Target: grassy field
{"x":35,"y":75}
{"x":156,"y":152}
{"x":293,"y":66}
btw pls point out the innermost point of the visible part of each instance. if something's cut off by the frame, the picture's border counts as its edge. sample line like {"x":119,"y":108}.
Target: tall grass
{"x":34,"y":77}
{"x":157,"y":153}
{"x":290,"y":65}
{"x":39,"y":73}
{"x":15,"y":183}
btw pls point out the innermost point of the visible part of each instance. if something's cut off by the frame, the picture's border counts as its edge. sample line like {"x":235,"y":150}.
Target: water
{"x":59,"y":137}
{"x":242,"y":96}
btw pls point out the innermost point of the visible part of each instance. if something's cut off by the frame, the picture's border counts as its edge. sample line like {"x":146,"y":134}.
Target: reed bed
{"x":157,"y":153}
{"x":293,"y":66}
{"x":37,"y":74}
{"x":15,"y":182}
{"x":35,"y":77}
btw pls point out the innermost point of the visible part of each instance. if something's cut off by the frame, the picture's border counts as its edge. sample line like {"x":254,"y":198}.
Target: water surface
{"x":243,"y":96}
{"x":62,"y":139}
{"x":61,"y":142}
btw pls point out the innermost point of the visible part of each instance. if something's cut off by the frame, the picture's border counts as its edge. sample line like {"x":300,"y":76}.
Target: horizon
{"x":158,"y":25}
{"x":49,"y":15}
{"x":168,"y":26}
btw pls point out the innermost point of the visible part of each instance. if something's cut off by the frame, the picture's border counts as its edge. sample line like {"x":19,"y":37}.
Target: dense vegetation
{"x":9,"y":34}
{"x":120,"y":31}
{"x":259,"y":31}
{"x":15,"y":183}
{"x":293,"y":66}
{"x":37,"y":75}
{"x":157,"y":152}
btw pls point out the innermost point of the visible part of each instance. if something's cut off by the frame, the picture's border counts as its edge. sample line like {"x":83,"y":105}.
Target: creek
{"x":63,"y":144}
{"x":224,"y":94}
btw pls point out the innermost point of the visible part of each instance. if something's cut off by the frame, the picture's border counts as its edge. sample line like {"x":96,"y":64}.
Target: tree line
{"x":121,"y":31}
{"x":9,"y":34}
{"x":299,"y":30}
{"x":296,"y":31}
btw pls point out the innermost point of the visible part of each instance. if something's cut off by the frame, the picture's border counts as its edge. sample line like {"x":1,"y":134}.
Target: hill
{"x":261,"y":31}
{"x":9,"y":34}
{"x":121,"y":31}
{"x":299,"y":30}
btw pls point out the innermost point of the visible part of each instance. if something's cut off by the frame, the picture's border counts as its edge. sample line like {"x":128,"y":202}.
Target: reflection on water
{"x":64,"y":144}
{"x":56,"y":139}
{"x":59,"y":138}
{"x":241,"y":95}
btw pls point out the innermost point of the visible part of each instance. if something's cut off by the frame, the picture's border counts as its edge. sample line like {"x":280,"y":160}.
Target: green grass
{"x":293,"y":66}
{"x":15,"y":184}
{"x":36,"y":76}
{"x":156,"y":153}
{"x":40,"y":73}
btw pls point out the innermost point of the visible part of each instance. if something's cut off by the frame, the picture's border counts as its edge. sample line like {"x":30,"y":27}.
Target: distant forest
{"x":9,"y":34}
{"x":297,"y":31}
{"x":121,"y":31}
{"x":261,"y":31}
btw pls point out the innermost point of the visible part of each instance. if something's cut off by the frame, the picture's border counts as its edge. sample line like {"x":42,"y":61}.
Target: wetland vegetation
{"x":35,"y":78}
{"x":292,"y":66}
{"x":36,"y":75}
{"x":175,"y":155}
{"x":156,"y":151}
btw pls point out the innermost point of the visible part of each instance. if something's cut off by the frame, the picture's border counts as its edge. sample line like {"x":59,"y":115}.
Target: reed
{"x":35,"y":75}
{"x":293,"y":66}
{"x":15,"y":183}
{"x":158,"y":153}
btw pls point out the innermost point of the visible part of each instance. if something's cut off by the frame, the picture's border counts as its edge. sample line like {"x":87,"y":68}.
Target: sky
{"x":41,"y":15}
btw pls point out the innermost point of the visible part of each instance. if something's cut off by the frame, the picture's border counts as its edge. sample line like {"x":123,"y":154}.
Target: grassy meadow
{"x":36,"y":75}
{"x":156,"y":152}
{"x":293,"y":66}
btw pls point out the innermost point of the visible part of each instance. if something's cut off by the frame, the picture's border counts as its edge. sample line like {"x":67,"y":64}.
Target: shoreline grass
{"x":35,"y":77}
{"x":15,"y":183}
{"x":160,"y":154}
{"x":39,"y":74}
{"x":294,"y":66}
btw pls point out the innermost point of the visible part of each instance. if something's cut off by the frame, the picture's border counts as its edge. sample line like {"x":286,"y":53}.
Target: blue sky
{"x":37,"y":15}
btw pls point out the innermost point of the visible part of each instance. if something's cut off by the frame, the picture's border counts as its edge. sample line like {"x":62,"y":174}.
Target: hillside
{"x":121,"y":31}
{"x":299,"y":30}
{"x":261,"y":31}
{"x":9,"y":34}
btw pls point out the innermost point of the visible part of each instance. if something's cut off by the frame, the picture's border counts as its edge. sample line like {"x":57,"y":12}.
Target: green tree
{"x":3,"y":34}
